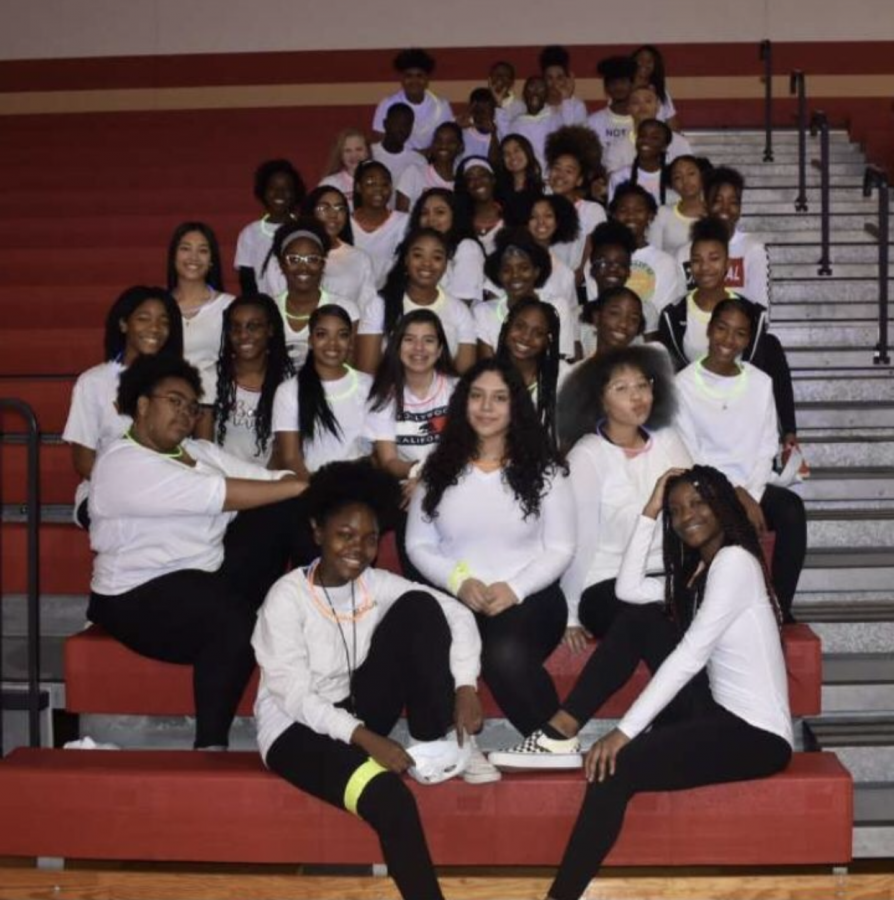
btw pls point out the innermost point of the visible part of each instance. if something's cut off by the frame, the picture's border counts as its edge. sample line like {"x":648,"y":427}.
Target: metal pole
{"x":820,"y":122}
{"x":766,"y":56}
{"x":797,"y":84}
{"x":876,"y":177}
{"x":33,"y":535}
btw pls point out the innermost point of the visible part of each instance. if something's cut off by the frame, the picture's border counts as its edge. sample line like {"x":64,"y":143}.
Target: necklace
{"x":350,"y":389}
{"x":191,"y":312}
{"x":351,"y":663}
{"x":724,"y":397}
{"x":174,"y":454}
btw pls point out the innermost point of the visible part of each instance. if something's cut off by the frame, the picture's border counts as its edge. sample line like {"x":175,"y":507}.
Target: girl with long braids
{"x":493,"y":524}
{"x":615,"y":423}
{"x":722,"y":617}
{"x":343,"y":648}
{"x":529,"y":340}
{"x":414,"y":283}
{"x":728,"y":419}
{"x":253,"y":363}
{"x":649,"y":167}
{"x":318,"y":416}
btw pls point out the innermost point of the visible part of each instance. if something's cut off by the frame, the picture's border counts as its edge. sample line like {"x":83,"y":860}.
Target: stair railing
{"x":819,"y":124}
{"x":798,"y":85}
{"x":766,"y":57}
{"x":33,"y":700}
{"x":875,"y":177}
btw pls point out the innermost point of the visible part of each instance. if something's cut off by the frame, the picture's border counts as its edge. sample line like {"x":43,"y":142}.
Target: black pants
{"x":784,"y":511}
{"x":408,"y":665}
{"x":599,"y":607}
{"x":694,"y":742}
{"x":515,"y":645}
{"x":205,"y":619}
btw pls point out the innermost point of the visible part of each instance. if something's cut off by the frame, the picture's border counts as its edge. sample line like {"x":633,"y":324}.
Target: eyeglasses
{"x":314,"y":260}
{"x":331,"y":207}
{"x":623,"y":389}
{"x":180,"y":404}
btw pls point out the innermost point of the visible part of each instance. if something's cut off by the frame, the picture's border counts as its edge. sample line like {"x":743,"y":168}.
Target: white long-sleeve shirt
{"x":480,"y":526}
{"x":610,"y":490}
{"x":734,"y":634}
{"x":304,"y":671}
{"x":729,"y":423}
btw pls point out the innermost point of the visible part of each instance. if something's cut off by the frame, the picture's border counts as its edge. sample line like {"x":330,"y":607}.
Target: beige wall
{"x":40,"y":29}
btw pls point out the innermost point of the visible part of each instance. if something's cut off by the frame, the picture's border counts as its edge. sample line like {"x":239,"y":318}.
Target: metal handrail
{"x":819,"y":124}
{"x":33,"y":534}
{"x":878,"y":177}
{"x":798,"y":85}
{"x":766,"y":57}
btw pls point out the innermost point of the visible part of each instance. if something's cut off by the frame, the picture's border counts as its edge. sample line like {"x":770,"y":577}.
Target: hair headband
{"x":301,"y":233}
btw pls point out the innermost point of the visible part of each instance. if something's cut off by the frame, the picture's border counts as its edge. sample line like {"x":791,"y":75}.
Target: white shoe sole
{"x":481,"y":777}
{"x":535,"y":761}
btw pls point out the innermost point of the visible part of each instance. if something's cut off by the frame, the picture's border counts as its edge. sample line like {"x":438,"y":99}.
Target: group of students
{"x":488,"y":371}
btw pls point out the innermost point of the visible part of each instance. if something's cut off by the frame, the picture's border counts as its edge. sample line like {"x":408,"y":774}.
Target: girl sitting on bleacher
{"x":722,"y":617}
{"x":493,"y":523}
{"x":253,"y":363}
{"x":727,"y":418}
{"x":343,"y":649}
{"x":143,"y":321}
{"x":177,"y":575}
{"x":351,"y":148}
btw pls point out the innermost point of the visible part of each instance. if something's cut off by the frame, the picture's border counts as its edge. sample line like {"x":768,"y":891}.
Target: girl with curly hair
{"x":553,"y":220}
{"x":493,"y":524}
{"x":719,"y":614}
{"x":615,"y":413}
{"x":253,"y":363}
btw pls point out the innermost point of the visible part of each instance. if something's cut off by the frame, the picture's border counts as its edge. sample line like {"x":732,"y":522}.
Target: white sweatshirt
{"x":480,"y":527}
{"x":734,"y":634}
{"x":304,"y":671}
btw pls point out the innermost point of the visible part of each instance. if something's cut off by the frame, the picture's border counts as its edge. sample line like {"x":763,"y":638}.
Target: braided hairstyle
{"x":548,"y":363}
{"x":664,"y":180}
{"x":279,"y":368}
{"x":683,"y":596}
{"x":531,"y":459}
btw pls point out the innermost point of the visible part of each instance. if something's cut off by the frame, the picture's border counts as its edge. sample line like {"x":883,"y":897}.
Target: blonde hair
{"x":334,"y":164}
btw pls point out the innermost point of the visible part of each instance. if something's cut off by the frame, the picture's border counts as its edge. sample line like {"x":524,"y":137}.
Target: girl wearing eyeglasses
{"x":177,"y":575}
{"x":301,"y":248}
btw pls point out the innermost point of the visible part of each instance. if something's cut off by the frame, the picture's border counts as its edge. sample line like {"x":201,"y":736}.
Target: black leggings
{"x":784,"y":511}
{"x":693,"y":742}
{"x":599,"y":607}
{"x":515,"y":645}
{"x":206,"y":619}
{"x":408,"y":665}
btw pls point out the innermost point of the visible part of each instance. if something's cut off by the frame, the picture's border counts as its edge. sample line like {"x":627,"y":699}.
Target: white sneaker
{"x":478,"y":770}
{"x":537,"y":751}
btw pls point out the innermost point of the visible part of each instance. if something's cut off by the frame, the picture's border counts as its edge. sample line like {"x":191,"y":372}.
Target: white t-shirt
{"x":622,"y":152}
{"x":609,"y":126}
{"x":671,"y":229}
{"x":729,"y":423}
{"x":201,"y":342}
{"x":380,"y":245}
{"x":397,"y":163}
{"x":480,"y":526}
{"x":610,"y":489}
{"x":658,"y":279}
{"x":429,"y":114}
{"x":416,"y":431}
{"x":561,"y":282}
{"x":296,"y":337}
{"x":347,"y":399}
{"x":475,"y":143}
{"x":491,"y":314}
{"x":300,"y":649}
{"x":93,"y":418}
{"x":535,"y":128}
{"x":416,"y":179}
{"x":252,"y":246}
{"x":734,"y":635}
{"x":650,"y":181}
{"x":464,"y":277}
{"x":240,"y":439}
{"x":695,"y":337}
{"x":150,"y":515}
{"x":590,"y":215}
{"x":459,"y":326}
